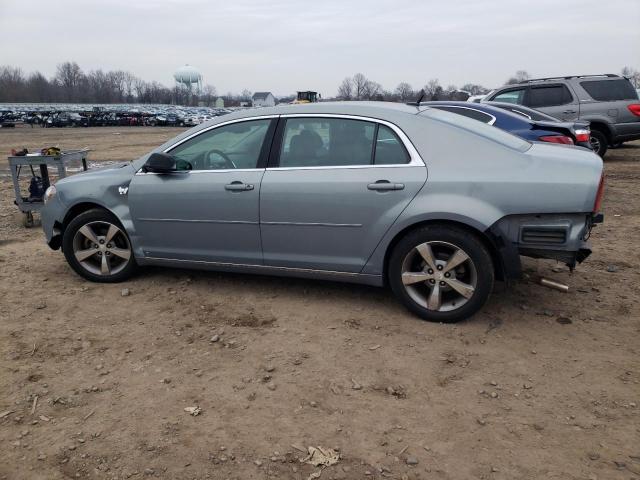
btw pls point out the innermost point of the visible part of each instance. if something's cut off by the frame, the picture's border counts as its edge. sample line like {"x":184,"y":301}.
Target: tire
{"x":599,"y":142}
{"x":98,"y":248}
{"x":477,"y":271}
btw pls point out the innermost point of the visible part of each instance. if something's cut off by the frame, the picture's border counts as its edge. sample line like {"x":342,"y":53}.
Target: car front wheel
{"x":441,"y":273}
{"x":97,"y":247}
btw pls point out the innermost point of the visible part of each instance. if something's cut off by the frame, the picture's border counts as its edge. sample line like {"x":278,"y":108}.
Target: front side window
{"x":233,"y":146}
{"x":510,"y":96}
{"x":549,"y":96}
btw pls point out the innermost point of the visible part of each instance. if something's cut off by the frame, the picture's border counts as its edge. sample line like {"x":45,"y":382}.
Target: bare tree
{"x":433,"y":90}
{"x":474,"y":89}
{"x":11,"y":84}
{"x":68,"y":76}
{"x":359,"y":86}
{"x":208,"y":94}
{"x":632,"y":74}
{"x":519,"y":77}
{"x":345,"y":90}
{"x":404,"y":92}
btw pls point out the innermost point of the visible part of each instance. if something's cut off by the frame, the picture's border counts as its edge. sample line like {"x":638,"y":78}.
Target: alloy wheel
{"x":101,"y":248}
{"x":439,"y":276}
{"x":595,"y":144}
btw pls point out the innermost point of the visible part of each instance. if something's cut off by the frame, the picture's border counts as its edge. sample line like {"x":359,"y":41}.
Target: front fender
{"x":106,"y":189}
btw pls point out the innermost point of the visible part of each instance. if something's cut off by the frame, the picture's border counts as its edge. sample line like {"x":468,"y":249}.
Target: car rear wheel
{"x":441,"y":273}
{"x":598,"y":142}
{"x":97,"y":247}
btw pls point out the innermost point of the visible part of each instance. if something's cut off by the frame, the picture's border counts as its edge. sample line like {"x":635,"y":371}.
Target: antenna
{"x":417,"y":103}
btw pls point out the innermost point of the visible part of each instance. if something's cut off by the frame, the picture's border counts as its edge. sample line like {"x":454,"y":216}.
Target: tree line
{"x":71,"y":84}
{"x":359,"y":87}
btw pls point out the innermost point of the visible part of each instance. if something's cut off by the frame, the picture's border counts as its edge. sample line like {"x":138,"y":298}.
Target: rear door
{"x":334,"y":186}
{"x":553,"y":99}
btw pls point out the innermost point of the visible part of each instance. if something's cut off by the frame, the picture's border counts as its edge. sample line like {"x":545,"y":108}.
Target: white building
{"x":263,"y":99}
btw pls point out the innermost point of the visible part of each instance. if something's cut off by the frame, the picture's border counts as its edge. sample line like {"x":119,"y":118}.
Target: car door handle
{"x":385,"y":185}
{"x":569,"y":111}
{"x":238,"y":186}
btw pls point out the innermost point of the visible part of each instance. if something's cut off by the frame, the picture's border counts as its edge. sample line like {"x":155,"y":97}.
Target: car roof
{"x":366,"y":109}
{"x":535,"y":81}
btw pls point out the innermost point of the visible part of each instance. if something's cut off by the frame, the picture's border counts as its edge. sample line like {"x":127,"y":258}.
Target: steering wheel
{"x":227,"y":161}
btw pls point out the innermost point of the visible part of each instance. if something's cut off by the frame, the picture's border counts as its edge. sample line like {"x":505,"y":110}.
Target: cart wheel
{"x":27,"y":220}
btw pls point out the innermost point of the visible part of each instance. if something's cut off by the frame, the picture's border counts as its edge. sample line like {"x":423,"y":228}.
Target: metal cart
{"x":28,"y":205}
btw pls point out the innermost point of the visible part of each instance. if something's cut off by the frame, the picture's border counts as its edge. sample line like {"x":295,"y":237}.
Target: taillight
{"x":583,"y":134}
{"x":635,"y":109}
{"x":598,"y":203}
{"x":557,"y":139}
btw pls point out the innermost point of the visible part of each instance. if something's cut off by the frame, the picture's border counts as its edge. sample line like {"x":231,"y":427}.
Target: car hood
{"x":100,"y":171}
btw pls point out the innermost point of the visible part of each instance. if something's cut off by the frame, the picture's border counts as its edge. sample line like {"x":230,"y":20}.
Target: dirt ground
{"x":93,"y":384}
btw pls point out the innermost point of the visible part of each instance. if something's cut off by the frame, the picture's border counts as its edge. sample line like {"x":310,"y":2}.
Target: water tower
{"x":189,"y":77}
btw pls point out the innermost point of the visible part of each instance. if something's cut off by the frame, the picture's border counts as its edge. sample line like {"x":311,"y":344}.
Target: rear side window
{"x":326,"y":142}
{"x":610,"y":90}
{"x":334,"y":142}
{"x":469,"y":112}
{"x":549,"y":96}
{"x":510,"y":96}
{"x":389,"y":148}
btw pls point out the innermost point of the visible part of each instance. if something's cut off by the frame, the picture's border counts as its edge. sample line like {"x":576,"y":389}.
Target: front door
{"x":209,"y":209}
{"x":337,"y":186}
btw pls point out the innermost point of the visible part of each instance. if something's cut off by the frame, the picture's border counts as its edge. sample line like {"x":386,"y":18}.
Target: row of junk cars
{"x":77,"y":115}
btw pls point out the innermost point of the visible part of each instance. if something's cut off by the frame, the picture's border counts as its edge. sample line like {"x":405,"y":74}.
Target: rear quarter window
{"x":610,"y":90}
{"x":469,"y":112}
{"x":479,"y":128}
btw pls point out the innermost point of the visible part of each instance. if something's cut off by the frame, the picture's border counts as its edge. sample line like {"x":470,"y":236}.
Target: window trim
{"x":415,"y":160}
{"x":490,"y":122}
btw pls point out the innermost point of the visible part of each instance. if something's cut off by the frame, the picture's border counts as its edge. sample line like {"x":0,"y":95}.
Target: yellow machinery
{"x":307,"y":97}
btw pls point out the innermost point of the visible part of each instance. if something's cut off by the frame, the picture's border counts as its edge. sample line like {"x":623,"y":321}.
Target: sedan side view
{"x":435,"y":205}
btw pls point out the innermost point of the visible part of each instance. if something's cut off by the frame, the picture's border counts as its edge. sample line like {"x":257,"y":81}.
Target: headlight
{"x":49,"y":193}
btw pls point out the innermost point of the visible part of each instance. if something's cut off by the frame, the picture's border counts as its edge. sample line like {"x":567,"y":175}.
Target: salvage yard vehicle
{"x":548,"y":130}
{"x":435,"y":205}
{"x":609,"y":102}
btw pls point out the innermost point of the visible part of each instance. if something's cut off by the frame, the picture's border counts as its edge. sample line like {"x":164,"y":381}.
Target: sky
{"x":287,"y":45}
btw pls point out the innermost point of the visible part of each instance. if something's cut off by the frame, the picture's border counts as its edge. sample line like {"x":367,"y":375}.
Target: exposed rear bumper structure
{"x":553,"y":236}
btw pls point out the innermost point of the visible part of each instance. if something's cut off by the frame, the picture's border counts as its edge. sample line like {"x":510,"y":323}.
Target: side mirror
{"x":160,"y":163}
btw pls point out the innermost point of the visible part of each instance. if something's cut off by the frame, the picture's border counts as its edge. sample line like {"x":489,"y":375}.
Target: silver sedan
{"x":434,"y":205}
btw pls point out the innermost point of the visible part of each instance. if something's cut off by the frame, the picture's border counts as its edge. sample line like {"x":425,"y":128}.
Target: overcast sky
{"x":288,"y":45}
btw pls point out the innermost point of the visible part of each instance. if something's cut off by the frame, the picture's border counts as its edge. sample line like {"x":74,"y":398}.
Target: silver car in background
{"x":435,"y":205}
